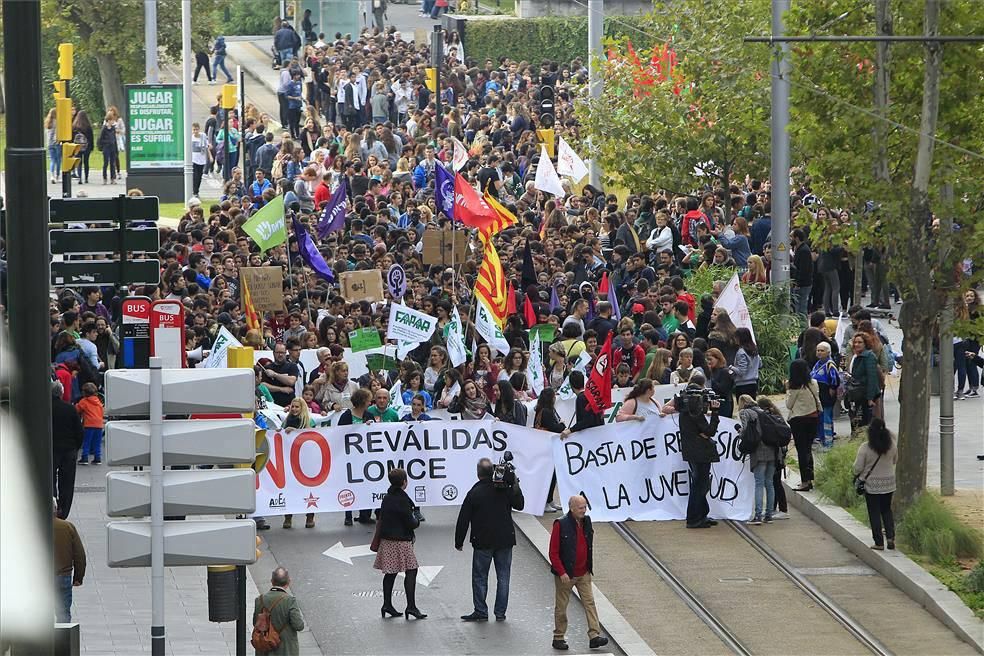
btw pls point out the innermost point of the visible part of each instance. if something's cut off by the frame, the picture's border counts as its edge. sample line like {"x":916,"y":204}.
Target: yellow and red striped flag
{"x":490,"y":285}
{"x":253,"y":319}
{"x":503,"y":219}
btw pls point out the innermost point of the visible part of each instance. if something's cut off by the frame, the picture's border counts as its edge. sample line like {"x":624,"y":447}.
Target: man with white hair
{"x":571,"y":561}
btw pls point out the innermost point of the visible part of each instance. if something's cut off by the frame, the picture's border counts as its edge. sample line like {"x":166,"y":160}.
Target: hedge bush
{"x":536,"y":39}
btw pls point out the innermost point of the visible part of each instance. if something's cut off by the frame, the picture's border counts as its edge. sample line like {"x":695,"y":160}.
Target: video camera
{"x":696,"y":400}
{"x":504,"y":473}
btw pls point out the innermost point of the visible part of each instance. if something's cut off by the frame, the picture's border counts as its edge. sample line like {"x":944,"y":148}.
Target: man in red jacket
{"x":571,"y":561}
{"x":322,"y":192}
{"x":628,"y":352}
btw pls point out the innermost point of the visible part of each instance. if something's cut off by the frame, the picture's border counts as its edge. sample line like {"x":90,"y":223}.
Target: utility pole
{"x":153,"y":72}
{"x":946,"y":348}
{"x":596,"y":28}
{"x":780,"y":148}
{"x":437,"y":54}
{"x":28,"y":276}
{"x":186,"y":55}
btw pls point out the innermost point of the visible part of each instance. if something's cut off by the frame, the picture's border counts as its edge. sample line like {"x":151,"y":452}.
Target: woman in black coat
{"x":82,"y":134}
{"x":395,"y":553}
{"x":545,"y":417}
{"x":107,"y":145}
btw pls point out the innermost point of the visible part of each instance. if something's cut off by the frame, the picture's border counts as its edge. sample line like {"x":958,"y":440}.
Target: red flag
{"x":599,"y":388}
{"x":511,"y":300}
{"x":470,"y":208}
{"x":529,"y":314}
{"x":603,"y":285}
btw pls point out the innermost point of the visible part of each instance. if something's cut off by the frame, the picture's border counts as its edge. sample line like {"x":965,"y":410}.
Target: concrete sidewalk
{"x":113,"y":605}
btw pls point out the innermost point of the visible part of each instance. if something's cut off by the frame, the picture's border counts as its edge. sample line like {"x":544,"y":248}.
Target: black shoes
{"x":389,"y":610}
{"x":348,"y":521}
{"x":500,"y":618}
{"x":702,"y":524}
{"x":598,"y":641}
{"x":560,"y":644}
{"x":475,"y":617}
{"x":262,"y":526}
{"x":415,"y":612}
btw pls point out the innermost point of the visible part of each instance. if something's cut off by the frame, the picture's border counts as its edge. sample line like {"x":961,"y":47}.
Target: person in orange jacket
{"x":91,"y":408}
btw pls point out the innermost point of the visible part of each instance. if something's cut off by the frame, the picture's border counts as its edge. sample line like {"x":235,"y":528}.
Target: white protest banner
{"x":488,"y":328}
{"x":455,"y":338}
{"x":346,"y":467}
{"x":409,"y":325}
{"x":534,"y":367}
{"x":637,"y":472}
{"x":733,"y":301}
{"x":220,"y":349}
{"x":568,"y":162}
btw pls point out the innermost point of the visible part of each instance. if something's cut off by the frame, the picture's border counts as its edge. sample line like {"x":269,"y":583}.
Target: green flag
{"x":266,"y":227}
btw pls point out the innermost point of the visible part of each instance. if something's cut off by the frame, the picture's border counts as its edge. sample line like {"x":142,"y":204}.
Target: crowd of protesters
{"x":360,"y":111}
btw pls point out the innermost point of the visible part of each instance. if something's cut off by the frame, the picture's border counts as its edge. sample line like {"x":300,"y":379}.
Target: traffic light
{"x":63,"y":119}
{"x":66,"y":51}
{"x":70,"y":156}
{"x":546,"y":107}
{"x":432,"y":79}
{"x":228,"y":96}
{"x":59,"y":89}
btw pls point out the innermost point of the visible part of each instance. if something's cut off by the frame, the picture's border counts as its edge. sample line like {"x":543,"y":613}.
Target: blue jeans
{"x":801,"y":299}
{"x":217,"y":63}
{"x":91,"y":443}
{"x":285,"y":56}
{"x":55,"y":157}
{"x":428,"y":6}
{"x":63,"y":592}
{"x":825,"y":427}
{"x":481,"y":560}
{"x":764,"y":471}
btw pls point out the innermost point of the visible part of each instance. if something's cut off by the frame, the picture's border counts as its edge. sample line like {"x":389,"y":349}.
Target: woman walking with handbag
{"x":803,"y":403}
{"x":874,"y":477}
{"x":393,"y":545}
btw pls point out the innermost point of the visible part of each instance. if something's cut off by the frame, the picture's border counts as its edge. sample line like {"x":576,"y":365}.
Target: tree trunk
{"x":726,"y":184}
{"x":3,"y":102}
{"x":920,"y":308}
{"x":112,"y":82}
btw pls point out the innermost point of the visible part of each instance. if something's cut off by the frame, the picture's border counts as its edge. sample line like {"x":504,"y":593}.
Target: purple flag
{"x":554,"y":299}
{"x":333,"y":218}
{"x":444,"y":190}
{"x":613,"y":299}
{"x":309,"y":252}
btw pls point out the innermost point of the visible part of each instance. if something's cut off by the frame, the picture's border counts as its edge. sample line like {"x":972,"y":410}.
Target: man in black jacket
{"x":66,"y":440}
{"x":699,"y":448}
{"x":802,"y":272}
{"x":584,"y":416}
{"x":487,"y":509}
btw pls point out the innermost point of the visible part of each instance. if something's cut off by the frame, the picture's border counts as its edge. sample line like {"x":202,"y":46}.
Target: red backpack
{"x":266,"y":637}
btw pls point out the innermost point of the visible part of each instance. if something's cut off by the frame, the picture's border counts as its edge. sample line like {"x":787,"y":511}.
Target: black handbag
{"x":859,"y":483}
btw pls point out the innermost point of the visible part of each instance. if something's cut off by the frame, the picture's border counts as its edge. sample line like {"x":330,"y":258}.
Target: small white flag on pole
{"x":733,"y":301}
{"x":460,"y":157}
{"x":534,"y":368}
{"x":455,"y":337}
{"x":568,"y":162}
{"x":546,"y":176}
{"x":488,"y":329}
{"x":841,"y":331}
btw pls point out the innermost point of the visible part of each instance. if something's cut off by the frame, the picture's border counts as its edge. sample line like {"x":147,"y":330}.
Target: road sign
{"x":135,"y":332}
{"x":120,"y":209}
{"x":189,"y":542}
{"x":186,"y":391}
{"x":105,"y":272}
{"x":167,"y":339}
{"x":186,"y":442}
{"x":186,"y":492}
{"x":141,"y":239}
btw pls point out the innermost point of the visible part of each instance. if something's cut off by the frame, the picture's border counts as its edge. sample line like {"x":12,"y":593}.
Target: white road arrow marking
{"x":427,"y":573}
{"x":338,"y":551}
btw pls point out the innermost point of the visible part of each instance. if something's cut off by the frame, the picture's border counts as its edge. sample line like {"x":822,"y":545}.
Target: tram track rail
{"x":719,"y":627}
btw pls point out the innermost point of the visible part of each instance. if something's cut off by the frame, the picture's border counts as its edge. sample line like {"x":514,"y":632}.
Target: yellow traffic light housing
{"x":63,"y":119}
{"x":547,"y":137}
{"x":432,"y":79}
{"x":66,"y":66}
{"x":228,"y":96}
{"x":59,"y":89}
{"x":70,"y":156}
{"x":259,"y":552}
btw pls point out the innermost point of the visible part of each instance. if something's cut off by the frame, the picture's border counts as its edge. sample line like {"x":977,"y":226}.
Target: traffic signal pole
{"x":27,"y":273}
{"x":437,"y":54}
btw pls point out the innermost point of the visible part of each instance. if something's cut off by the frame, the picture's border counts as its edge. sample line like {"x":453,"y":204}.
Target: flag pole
{"x":290,"y":271}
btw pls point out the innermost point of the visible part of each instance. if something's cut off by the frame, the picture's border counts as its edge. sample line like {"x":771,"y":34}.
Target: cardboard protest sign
{"x":266,"y":287}
{"x":444,"y":247}
{"x":362,"y":286}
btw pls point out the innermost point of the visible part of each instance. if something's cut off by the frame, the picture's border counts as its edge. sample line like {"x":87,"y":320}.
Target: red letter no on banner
{"x":295,"y":465}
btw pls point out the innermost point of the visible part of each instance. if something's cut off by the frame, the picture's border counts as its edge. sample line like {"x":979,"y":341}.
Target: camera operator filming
{"x":697,"y":443}
{"x":487,"y":509}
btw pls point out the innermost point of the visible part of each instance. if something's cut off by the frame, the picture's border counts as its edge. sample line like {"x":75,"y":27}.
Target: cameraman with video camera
{"x":699,"y":449}
{"x":487,"y":508}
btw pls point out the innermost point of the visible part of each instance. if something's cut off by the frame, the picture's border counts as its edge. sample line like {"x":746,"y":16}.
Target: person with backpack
{"x":803,"y":404}
{"x":218,"y":61}
{"x":82,"y":135}
{"x":277,"y":618}
{"x":828,"y":380}
{"x":762,"y":433}
{"x":874,"y":476}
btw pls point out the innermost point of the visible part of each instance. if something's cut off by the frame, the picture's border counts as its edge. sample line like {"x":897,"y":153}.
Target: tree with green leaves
{"x":684,"y":128}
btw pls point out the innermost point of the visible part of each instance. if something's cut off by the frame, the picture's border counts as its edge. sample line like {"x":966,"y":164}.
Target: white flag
{"x":566,"y":392}
{"x":546,"y":176}
{"x":217,"y":357}
{"x":488,"y":328}
{"x":534,"y":368}
{"x":841,"y":331}
{"x":396,"y":398}
{"x":568,"y":162}
{"x":732,"y":300}
{"x":460,"y":157}
{"x":409,"y":325}
{"x":455,"y":338}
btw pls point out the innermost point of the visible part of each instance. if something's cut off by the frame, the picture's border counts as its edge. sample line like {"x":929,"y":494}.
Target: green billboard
{"x":155,"y":126}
